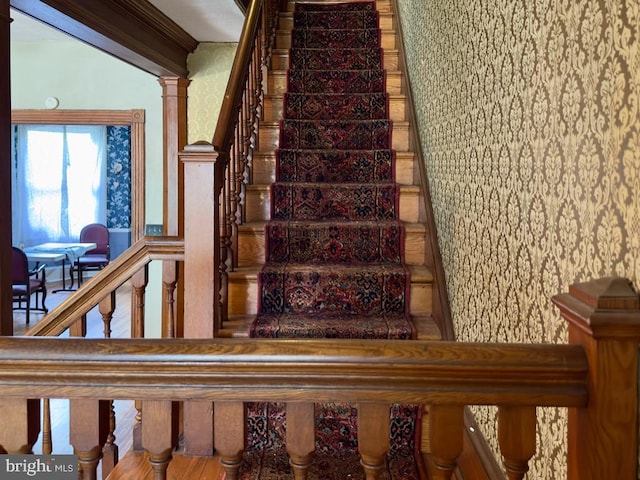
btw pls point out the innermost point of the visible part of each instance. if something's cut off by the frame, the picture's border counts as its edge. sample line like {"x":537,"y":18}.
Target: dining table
{"x":54,"y":252}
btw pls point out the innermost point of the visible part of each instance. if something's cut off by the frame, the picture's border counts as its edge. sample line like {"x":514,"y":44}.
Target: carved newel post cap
{"x":199,"y":146}
{"x":606,"y":307}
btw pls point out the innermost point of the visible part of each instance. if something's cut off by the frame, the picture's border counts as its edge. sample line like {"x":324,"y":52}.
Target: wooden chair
{"x":27,"y":282}
{"x":95,"y":259}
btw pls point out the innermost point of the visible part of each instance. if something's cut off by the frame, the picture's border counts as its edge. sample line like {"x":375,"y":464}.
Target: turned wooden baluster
{"x":106,"y":307}
{"x":169,"y":282}
{"x":20,"y":425}
{"x":229,"y":436}
{"x":446,"y":425}
{"x":110,"y":451}
{"x":88,"y":430}
{"x":226,"y":253}
{"x":159,"y":434}
{"x":47,"y":443}
{"x":234,"y":190}
{"x":300,"y":437}
{"x":79,"y":327}
{"x":139,"y":282}
{"x":517,"y":438}
{"x":373,"y":437}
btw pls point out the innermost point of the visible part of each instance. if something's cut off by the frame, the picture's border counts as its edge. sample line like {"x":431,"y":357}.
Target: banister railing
{"x":94,"y":290}
{"x":276,"y":370}
{"x":373,"y":373}
{"x":131,"y":266}
{"x":596,"y":377}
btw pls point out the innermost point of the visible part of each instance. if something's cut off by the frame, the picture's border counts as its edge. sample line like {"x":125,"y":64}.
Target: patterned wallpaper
{"x":529,"y":121}
{"x":119,"y":176}
{"x":209,"y":69}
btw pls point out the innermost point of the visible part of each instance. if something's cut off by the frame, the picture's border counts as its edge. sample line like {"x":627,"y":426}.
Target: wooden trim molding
{"x":134,"y":31}
{"x":133,"y":118}
{"x":6,"y":314}
{"x":76,"y":117}
{"x":477,"y":461}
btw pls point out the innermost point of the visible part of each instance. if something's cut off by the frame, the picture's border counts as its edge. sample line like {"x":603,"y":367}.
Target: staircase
{"x":291,"y":249}
{"x":243,"y":287}
{"x":410,"y":256}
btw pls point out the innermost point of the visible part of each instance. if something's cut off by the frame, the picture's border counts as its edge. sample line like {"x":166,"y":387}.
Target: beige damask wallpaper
{"x":529,"y":121}
{"x":209,"y":69}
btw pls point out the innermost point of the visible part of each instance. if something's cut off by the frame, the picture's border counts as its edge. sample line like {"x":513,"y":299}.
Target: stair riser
{"x":258,"y":206}
{"x":251,"y":247}
{"x":264,"y":168}
{"x":283,"y":40}
{"x":381,"y":6}
{"x":243,"y":296}
{"x":273,"y":108}
{"x":280,"y":60}
{"x":387,"y":21}
{"x":277,"y":82}
{"x":269,"y":136}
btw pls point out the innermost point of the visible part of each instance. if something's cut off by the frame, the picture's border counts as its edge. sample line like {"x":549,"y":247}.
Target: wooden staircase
{"x":243,"y":287}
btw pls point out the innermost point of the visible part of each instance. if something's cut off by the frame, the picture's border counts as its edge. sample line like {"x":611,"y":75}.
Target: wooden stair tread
{"x":237,"y":326}
{"x":415,"y":189}
{"x":419,"y":273}
{"x":258,"y":227}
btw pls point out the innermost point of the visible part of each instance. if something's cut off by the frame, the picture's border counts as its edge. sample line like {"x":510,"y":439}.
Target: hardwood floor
{"x":120,"y":324}
{"x":135,"y":466}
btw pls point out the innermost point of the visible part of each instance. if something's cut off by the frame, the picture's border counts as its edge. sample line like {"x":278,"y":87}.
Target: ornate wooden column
{"x":6,"y":312}
{"x":174,"y":108}
{"x":604,"y":317}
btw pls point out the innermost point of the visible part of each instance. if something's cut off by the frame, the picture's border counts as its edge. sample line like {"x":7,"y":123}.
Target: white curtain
{"x":60,"y":182}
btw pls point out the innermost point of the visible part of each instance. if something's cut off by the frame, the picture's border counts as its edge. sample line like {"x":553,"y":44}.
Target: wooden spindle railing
{"x":71,"y":315}
{"x":596,"y":378}
{"x":129,"y":266}
{"x":374,"y":374}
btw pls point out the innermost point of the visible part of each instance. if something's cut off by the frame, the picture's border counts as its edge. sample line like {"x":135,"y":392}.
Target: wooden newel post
{"x":604,"y":317}
{"x":201,"y":275}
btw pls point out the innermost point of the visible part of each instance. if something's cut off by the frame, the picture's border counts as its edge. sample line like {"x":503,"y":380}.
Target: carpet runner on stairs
{"x":334,"y":245}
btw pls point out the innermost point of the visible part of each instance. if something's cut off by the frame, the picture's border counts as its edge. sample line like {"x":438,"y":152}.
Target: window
{"x":60,"y":180}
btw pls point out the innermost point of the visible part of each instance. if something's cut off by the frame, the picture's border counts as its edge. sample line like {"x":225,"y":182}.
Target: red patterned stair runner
{"x":334,"y":250}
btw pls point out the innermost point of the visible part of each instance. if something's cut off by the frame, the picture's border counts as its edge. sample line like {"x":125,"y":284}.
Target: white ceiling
{"x":205,"y":20}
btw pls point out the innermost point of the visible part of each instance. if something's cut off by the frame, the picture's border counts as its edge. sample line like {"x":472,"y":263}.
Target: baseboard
{"x":477,"y":461}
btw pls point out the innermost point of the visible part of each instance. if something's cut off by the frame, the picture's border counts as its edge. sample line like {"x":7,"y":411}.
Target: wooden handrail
{"x":228,"y":116}
{"x":293,"y":370}
{"x":109,"y":279}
